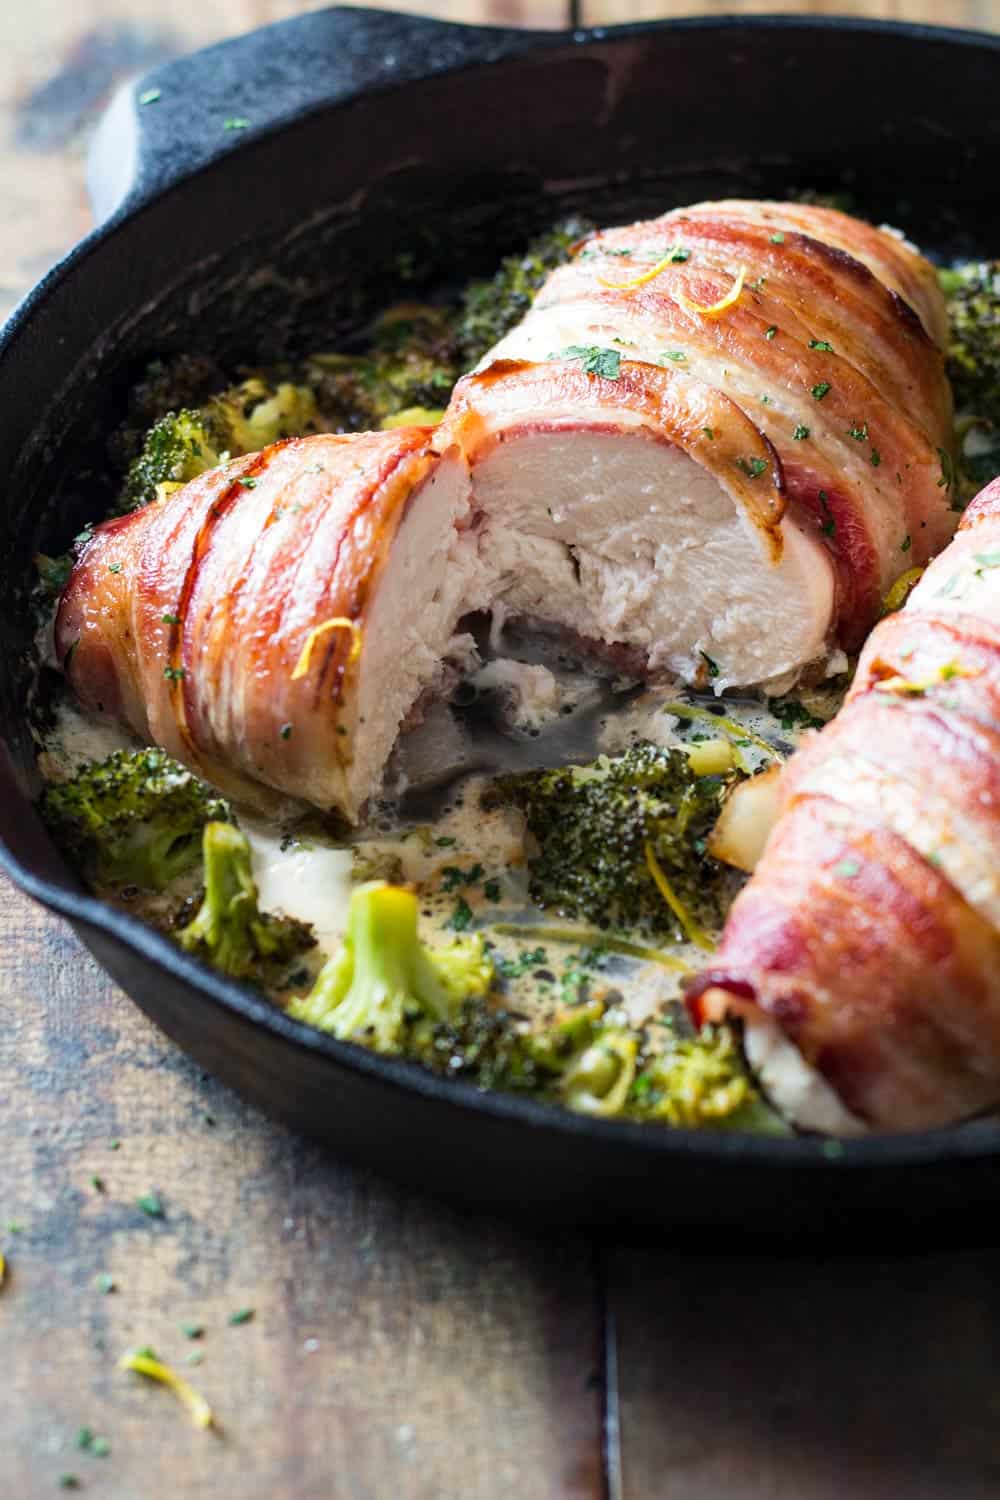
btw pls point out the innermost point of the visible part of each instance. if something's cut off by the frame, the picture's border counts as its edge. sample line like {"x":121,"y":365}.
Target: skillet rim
{"x":967,"y":1142}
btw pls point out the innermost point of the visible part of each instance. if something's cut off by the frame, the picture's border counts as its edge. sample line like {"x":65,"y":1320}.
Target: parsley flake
{"x":769,"y":333}
{"x":800,"y":433}
{"x":713,"y":666}
{"x":114,"y":567}
{"x":847,"y":868}
{"x":777,"y":238}
{"x":106,"y":1283}
{"x":907,"y":543}
{"x":821,"y":345}
{"x":241,"y":1315}
{"x":247,"y":483}
{"x":462,"y":917}
{"x":876,"y":458}
{"x":709,"y":433}
{"x":149,"y":96}
{"x":174,"y":674}
{"x":676,"y":355}
{"x":170,"y":619}
{"x":285,"y":731}
{"x":151,"y":1205}
{"x":753,"y":468}
{"x":606,"y":363}
{"x":236,"y":122}
{"x":820,"y":390}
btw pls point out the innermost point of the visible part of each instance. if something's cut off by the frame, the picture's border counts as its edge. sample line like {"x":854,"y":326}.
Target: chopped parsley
{"x":513,"y":968}
{"x":777,"y":238}
{"x":491,"y":890}
{"x":859,"y":434}
{"x":876,"y":458}
{"x":285,"y":731}
{"x":452,"y":878}
{"x":151,"y":1205}
{"x":462,"y":917}
{"x":149,"y":96}
{"x":192,"y":1330}
{"x":106,"y":1283}
{"x":769,"y":333}
{"x":169,"y":619}
{"x":174,"y":674}
{"x":236,"y":122}
{"x":445,"y":843}
{"x":247,"y":483}
{"x":753,"y":468}
{"x":676,"y":355}
{"x":713,"y":666}
{"x":820,"y":390}
{"x":709,"y":433}
{"x":907,"y":543}
{"x":114,"y":567}
{"x":792,"y":715}
{"x":847,"y":868}
{"x":606,"y":363}
{"x":800,"y":433}
{"x":241,"y":1315}
{"x":821,"y":345}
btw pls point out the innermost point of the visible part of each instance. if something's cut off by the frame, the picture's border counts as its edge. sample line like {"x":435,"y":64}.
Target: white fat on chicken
{"x":624,"y":539}
{"x":431,"y":577}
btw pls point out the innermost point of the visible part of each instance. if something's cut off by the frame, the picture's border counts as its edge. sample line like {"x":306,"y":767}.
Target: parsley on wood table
{"x":353,"y":1340}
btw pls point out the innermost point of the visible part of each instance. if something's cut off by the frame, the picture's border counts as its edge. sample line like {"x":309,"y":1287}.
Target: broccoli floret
{"x":602,"y":828}
{"x":491,"y":308}
{"x":135,"y":819}
{"x":178,"y":448}
{"x":701,"y":1080}
{"x":384,"y":981}
{"x":408,"y":372}
{"x":592,"y":1061}
{"x":973,"y":294}
{"x":189,"y":442}
{"x":229,"y":930}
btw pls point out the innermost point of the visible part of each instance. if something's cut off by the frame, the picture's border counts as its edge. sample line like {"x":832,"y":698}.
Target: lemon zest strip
{"x":155,"y":1369}
{"x":716,"y":309}
{"x":339,"y":622}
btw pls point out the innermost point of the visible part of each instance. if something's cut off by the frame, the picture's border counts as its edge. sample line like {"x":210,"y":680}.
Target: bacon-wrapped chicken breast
{"x":867,"y":942}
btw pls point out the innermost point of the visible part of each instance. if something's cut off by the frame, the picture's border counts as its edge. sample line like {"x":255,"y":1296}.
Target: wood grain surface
{"x":395,"y":1348}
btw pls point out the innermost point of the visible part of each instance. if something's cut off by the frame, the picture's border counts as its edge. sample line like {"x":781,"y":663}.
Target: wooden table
{"x":395,"y":1348}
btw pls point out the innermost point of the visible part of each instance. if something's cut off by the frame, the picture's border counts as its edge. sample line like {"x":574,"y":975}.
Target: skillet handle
{"x":195,"y":110}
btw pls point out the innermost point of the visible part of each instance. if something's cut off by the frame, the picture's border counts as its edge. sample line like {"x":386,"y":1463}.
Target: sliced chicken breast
{"x":644,"y":511}
{"x":274,"y":622}
{"x":815,"y":345}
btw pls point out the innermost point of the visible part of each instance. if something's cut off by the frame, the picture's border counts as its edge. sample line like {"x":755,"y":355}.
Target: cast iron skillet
{"x":381,"y":147}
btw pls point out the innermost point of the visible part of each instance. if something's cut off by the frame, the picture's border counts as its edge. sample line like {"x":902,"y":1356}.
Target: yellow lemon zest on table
{"x":692,"y":930}
{"x":715,"y":309}
{"x":339,"y":622}
{"x":144,"y":1362}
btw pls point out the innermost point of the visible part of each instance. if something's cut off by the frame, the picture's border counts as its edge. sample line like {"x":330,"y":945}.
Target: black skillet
{"x":384,"y":153}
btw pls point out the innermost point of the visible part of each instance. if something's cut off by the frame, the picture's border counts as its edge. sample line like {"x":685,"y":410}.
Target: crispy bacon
{"x":870,"y":931}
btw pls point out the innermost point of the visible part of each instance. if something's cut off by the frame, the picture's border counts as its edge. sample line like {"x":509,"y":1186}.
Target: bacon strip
{"x":870,"y":931}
